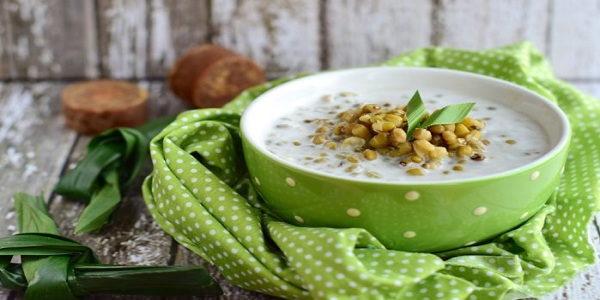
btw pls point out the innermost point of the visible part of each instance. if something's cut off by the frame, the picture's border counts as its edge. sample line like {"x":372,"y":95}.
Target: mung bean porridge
{"x":362,"y":136}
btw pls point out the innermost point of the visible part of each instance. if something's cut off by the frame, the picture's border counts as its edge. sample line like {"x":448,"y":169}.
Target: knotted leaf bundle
{"x":55,"y":267}
{"x":114,"y":159}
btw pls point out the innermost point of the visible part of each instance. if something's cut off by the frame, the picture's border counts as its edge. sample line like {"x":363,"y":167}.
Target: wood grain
{"x":30,"y":125}
{"x":44,"y":40}
{"x":478,"y":24}
{"x":282,"y":36}
{"x":34,"y":144}
{"x":358,"y":33}
{"x":574,"y":44}
{"x":141,"y":39}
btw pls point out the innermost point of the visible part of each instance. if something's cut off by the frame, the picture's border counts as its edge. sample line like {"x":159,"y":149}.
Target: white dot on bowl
{"x":524,"y":215}
{"x":291,"y":182}
{"x":535,"y":175}
{"x":353,"y":212}
{"x":412,"y":195}
{"x":470,"y":243}
{"x":409,"y":234}
{"x":257,"y":180}
{"x":299,"y":219}
{"x":480,"y":211}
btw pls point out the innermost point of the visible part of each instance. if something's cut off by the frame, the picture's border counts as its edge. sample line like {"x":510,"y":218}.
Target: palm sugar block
{"x":211,"y":75}
{"x":94,"y":106}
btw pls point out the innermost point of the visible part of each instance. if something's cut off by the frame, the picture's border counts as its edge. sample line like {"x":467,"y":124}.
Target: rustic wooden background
{"x":45,"y":45}
{"x":137,"y":39}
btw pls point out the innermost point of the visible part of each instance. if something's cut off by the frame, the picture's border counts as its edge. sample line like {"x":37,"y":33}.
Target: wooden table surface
{"x":36,"y":149}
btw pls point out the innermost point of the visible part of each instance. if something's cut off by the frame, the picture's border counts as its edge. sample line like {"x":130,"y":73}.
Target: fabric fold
{"x":200,"y":194}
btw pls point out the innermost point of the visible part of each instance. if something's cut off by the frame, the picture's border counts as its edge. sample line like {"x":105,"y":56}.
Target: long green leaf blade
{"x":33,"y":215}
{"x":134,"y":157}
{"x":450,"y":114}
{"x":144,"y":280}
{"x":81,"y":182}
{"x":43,"y":244}
{"x":97,"y":213}
{"x":414,"y":114}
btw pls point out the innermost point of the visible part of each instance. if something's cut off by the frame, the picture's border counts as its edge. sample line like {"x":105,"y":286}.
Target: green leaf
{"x":11,"y":275}
{"x":122,"y":151}
{"x":414,"y":114}
{"x":450,"y":114}
{"x":97,"y":213}
{"x":145,"y":280}
{"x":45,"y":244}
{"x":33,"y":215}
{"x":50,"y":280}
{"x":81,"y":182}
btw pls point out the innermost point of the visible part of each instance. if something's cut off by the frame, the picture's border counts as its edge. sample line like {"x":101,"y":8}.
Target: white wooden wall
{"x":136,"y":39}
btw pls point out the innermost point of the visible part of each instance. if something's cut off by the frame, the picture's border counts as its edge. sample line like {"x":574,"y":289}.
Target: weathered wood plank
{"x":359,"y":33}
{"x":5,"y":28}
{"x":141,"y":39}
{"x":477,"y":24}
{"x":176,"y":26}
{"x":282,"y":36}
{"x":30,"y":125}
{"x":574,"y":43}
{"x":45,"y":40}
{"x":34,"y":143}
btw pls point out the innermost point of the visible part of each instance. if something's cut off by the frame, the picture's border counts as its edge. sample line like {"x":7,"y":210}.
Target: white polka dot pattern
{"x":198,"y":194}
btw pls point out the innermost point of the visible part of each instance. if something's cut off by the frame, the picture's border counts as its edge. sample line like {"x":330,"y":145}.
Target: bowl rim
{"x":561,"y":145}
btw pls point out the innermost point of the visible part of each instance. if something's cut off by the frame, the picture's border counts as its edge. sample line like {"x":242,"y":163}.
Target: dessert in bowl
{"x":334,"y":150}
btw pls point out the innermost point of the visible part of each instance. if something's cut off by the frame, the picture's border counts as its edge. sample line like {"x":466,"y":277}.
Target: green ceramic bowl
{"x":427,"y":216}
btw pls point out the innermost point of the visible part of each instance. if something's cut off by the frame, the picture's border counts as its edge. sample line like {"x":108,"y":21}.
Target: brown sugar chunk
{"x":94,"y":106}
{"x":211,"y":75}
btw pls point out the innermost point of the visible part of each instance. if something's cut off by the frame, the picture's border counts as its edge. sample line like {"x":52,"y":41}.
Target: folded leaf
{"x":102,"y":205}
{"x":44,"y":244}
{"x":165,"y":281}
{"x":50,"y":280}
{"x":414,"y":114}
{"x":121,"y":151}
{"x":81,"y":182}
{"x":11,"y":275}
{"x":450,"y":114}
{"x":33,"y":215}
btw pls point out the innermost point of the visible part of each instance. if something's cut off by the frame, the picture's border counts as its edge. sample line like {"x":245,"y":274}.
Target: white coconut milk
{"x":289,"y":138}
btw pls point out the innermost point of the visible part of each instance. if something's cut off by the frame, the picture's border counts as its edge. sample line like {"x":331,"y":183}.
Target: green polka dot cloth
{"x":200,"y":194}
